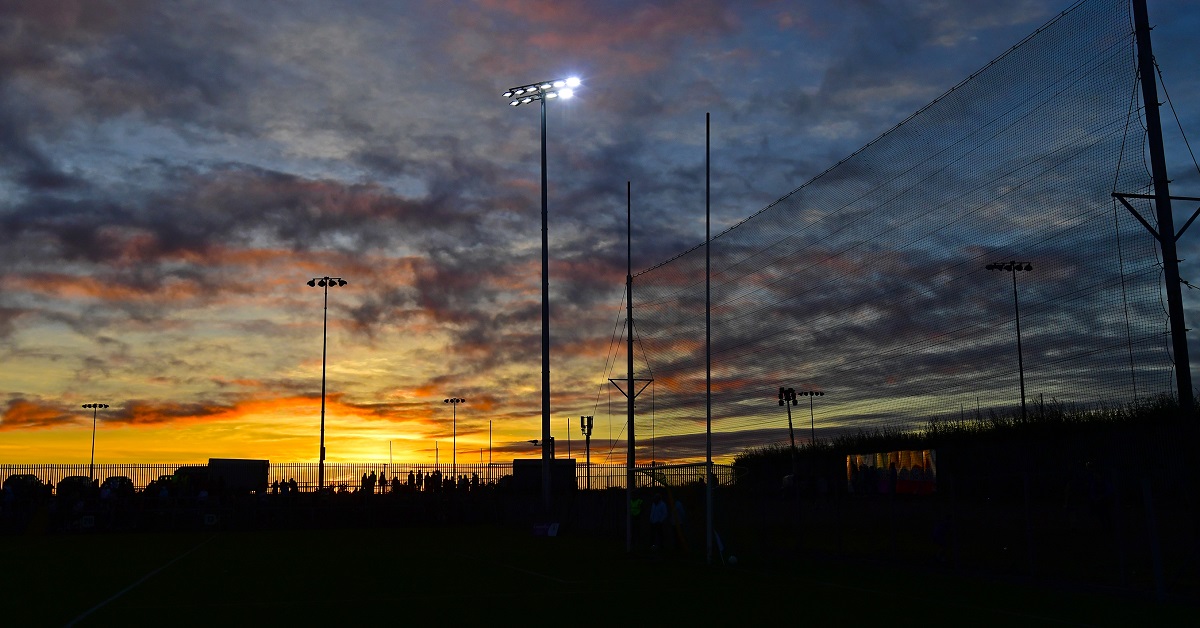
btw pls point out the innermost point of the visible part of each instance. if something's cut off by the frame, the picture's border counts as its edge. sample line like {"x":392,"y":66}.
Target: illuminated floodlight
{"x":544,"y":90}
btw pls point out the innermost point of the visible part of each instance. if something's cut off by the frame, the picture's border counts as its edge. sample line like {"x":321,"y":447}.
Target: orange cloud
{"x":22,"y":414}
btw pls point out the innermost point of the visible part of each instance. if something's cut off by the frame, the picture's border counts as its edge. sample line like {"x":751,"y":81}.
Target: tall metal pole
{"x":324,"y":283}
{"x":95,"y":408}
{"x":708,"y":480}
{"x":630,"y":443}
{"x":547,"y":452}
{"x":92,"y":464}
{"x":454,"y":439}
{"x":1162,"y":205}
{"x":1020,"y":353}
{"x":324,"y":346}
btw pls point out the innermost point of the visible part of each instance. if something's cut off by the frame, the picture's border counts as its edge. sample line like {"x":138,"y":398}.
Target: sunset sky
{"x":173,"y":173}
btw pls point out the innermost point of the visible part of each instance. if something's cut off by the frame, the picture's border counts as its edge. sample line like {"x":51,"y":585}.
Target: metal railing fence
{"x":602,"y":476}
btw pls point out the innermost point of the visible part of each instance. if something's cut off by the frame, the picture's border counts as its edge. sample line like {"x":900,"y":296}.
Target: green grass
{"x":457,"y":575}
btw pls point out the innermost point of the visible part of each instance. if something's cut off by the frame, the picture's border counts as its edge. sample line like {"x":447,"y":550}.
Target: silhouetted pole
{"x":454,"y":401}
{"x":523,"y":95}
{"x":630,"y":443}
{"x":95,"y":408}
{"x":708,"y":464}
{"x":812,"y":426}
{"x":787,"y":398}
{"x":324,"y":283}
{"x":1162,"y":205}
{"x":1013,"y":267}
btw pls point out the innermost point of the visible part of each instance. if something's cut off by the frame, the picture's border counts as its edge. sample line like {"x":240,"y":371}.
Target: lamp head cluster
{"x":1010,"y":266}
{"x":454,"y":400}
{"x":95,"y":406}
{"x":585,"y":425}
{"x":545,"y":90}
{"x":322,"y":282}
{"x":786,"y":395}
{"x":811,"y":393}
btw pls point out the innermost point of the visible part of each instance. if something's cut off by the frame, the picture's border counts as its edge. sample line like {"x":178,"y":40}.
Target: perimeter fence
{"x":876,"y":284}
{"x":350,"y":474}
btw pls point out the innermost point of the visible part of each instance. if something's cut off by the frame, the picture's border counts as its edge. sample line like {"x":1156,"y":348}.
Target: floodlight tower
{"x":523,"y":95}
{"x":324,"y":283}
{"x":94,"y":407}
{"x":1013,"y":267}
{"x":454,"y":401}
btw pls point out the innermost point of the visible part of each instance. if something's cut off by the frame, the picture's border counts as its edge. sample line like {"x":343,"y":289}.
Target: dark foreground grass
{"x":453,"y":576}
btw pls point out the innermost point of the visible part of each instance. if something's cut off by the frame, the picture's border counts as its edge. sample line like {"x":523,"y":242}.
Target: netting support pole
{"x":708,"y":467}
{"x":630,"y":452}
{"x":1162,"y":205}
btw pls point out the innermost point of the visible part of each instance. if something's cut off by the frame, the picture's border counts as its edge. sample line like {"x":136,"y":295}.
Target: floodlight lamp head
{"x":566,"y":93}
{"x":1008,"y":267}
{"x":342,"y":282}
{"x":1029,"y":267}
{"x":573,"y":81}
{"x":312,"y":283}
{"x":321,"y":283}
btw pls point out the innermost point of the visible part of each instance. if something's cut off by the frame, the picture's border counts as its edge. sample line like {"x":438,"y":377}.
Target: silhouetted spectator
{"x":411,"y":479}
{"x":363,"y":485}
{"x":293,"y":486}
{"x":420,"y":479}
{"x":658,"y":520}
{"x":275,"y":487}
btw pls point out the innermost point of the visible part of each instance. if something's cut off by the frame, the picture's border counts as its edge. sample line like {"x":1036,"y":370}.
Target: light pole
{"x":523,"y":95}
{"x":1012,"y":268}
{"x":812,"y":422}
{"x":95,"y":407}
{"x":454,"y":401}
{"x":585,"y":426}
{"x":787,"y":398}
{"x":324,"y":283}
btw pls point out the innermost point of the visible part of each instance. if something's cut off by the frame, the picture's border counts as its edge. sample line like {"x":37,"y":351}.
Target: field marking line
{"x":135,"y":584}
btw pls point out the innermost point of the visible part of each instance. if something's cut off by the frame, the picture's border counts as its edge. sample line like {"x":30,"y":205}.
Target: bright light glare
{"x":560,"y":83}
{"x":552,"y":95}
{"x":566,"y":93}
{"x":573,"y":81}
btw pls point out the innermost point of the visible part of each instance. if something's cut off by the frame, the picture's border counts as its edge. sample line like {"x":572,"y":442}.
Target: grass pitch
{"x":457,"y":575}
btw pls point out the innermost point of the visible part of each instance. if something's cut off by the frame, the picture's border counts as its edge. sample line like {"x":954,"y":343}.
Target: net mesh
{"x":869,"y":282}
